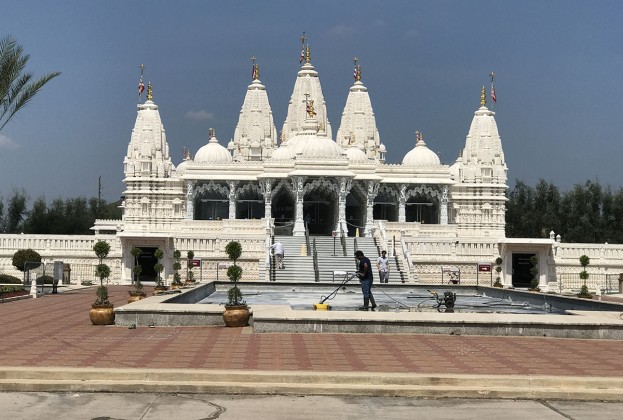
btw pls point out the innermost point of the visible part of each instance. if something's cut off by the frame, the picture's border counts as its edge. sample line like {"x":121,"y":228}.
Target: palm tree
{"x":16,"y":87}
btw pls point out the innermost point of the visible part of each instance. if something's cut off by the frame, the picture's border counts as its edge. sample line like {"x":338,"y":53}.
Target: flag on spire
{"x":493,"y":97}
{"x":141,"y":85}
{"x":355,"y":73}
{"x":302,"y":56}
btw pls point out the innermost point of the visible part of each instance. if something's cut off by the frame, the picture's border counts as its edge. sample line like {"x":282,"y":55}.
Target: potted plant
{"x":498,"y":270}
{"x":584,"y":262}
{"x":102,"y":312}
{"x":177,"y":279}
{"x":534,"y":283}
{"x":158,"y":268}
{"x":236,"y":312}
{"x":190,"y":276}
{"x":137,"y":292}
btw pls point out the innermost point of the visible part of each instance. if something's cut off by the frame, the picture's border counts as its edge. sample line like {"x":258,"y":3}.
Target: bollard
{"x":357,"y":233}
{"x":303,"y":250}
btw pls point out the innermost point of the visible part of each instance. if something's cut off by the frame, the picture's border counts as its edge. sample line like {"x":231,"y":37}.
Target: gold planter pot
{"x":134,"y":298}
{"x":102,"y":314}
{"x":236,"y":315}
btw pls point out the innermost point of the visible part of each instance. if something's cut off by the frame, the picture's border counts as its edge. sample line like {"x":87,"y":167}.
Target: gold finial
{"x":307,"y":55}
{"x":255,"y":72}
{"x":150,"y":93}
{"x":211,"y":132}
{"x":309,"y":106}
{"x":483,"y":97}
{"x":357,"y":70}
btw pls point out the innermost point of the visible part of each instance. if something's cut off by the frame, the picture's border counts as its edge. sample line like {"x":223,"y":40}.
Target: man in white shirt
{"x":278,"y":251}
{"x":382,"y":263}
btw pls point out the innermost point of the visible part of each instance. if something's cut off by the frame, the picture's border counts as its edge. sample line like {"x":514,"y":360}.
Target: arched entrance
{"x":420,"y":208}
{"x":250,"y":203}
{"x":319,"y":211}
{"x":282,"y":210}
{"x":146,"y":260}
{"x":385,"y":206}
{"x":355,"y":211}
{"x":211,"y":205}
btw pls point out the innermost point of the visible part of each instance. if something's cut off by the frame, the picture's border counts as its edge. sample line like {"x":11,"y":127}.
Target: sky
{"x":558,"y":66}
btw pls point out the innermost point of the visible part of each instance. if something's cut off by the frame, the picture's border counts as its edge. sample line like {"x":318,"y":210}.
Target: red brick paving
{"x":55,"y":330}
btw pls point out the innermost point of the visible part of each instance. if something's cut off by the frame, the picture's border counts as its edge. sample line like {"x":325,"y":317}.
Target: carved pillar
{"x":443,"y":210}
{"x":266,"y":186}
{"x":402,"y":200}
{"x":232,"y":199}
{"x":190,"y":201}
{"x":344,"y":188}
{"x":298,"y":183}
{"x":373,"y":190}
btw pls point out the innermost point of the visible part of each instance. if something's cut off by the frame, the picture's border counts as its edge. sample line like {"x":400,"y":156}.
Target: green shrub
{"x":10,"y":289}
{"x":45,"y":280}
{"x":23,"y":256}
{"x":8,"y":279}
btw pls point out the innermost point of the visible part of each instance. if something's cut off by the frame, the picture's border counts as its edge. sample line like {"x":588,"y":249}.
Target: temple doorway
{"x":282,"y":211}
{"x":421,"y":209}
{"x":319,"y":212}
{"x":147,"y":261}
{"x":355,"y":212}
{"x":521,"y":270}
{"x":250,"y":205}
{"x":385,"y":207}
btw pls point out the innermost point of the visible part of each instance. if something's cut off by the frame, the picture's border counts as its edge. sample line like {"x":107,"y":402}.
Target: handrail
{"x":406,"y":255}
{"x":383,"y":235}
{"x":343,"y":241}
{"x":315,"y":259}
{"x":307,"y":238}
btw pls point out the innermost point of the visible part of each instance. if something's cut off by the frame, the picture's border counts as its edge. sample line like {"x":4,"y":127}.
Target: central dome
{"x":421,"y":155}
{"x":213,"y":152}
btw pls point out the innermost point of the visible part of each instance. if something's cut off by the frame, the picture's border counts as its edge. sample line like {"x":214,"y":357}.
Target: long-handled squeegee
{"x":322,"y":306}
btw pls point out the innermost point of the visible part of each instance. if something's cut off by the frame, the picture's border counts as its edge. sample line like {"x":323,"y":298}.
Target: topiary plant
{"x":498,"y":270}
{"x":234,"y":296}
{"x":158,"y":268}
{"x":584,"y":262}
{"x":190,"y":276}
{"x":136,"y":274}
{"x":102,"y":248}
{"x":177,"y":279}
{"x":534,"y":283}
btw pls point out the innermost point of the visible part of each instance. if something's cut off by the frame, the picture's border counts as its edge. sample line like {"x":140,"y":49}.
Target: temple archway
{"x":283,"y":211}
{"x":250,"y":202}
{"x":211,"y":202}
{"x":385,"y":205}
{"x":422,"y":209}
{"x":355,"y":211}
{"x":320,"y":211}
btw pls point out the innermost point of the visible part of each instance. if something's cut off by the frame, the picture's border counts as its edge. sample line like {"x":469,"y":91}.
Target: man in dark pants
{"x":365,"y":278}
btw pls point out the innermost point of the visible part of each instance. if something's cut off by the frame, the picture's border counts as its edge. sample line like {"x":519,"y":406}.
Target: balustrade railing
{"x":315,"y":259}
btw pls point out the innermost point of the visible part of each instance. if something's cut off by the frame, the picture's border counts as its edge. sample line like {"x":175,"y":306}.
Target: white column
{"x":443,"y":217}
{"x":266,"y":186}
{"x":373,"y":190}
{"x":190,"y":201}
{"x":232,"y":199}
{"x":345,"y":186}
{"x":402,"y":200}
{"x":299,"y":225}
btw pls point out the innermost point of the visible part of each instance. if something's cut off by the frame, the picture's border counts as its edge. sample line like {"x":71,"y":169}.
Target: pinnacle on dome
{"x":305,"y":51}
{"x":255,"y":72}
{"x":357,"y":71}
{"x":483,"y":97}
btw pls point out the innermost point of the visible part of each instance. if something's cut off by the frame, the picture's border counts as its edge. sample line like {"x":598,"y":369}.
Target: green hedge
{"x":10,"y":289}
{"x":45,"y":280}
{"x":8,"y":279}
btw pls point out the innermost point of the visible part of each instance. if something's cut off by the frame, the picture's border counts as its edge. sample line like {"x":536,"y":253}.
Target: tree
{"x":16,"y":211}
{"x":17,"y":88}
{"x":21,"y":257}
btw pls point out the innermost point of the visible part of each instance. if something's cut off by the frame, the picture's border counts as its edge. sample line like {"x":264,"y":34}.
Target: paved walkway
{"x":54,"y":333}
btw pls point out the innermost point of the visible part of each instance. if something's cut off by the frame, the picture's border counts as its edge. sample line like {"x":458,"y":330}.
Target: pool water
{"x":350,"y":298}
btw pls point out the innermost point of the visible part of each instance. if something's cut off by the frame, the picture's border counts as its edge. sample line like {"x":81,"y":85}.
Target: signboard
{"x":334,"y":233}
{"x":195,"y":263}
{"x":484,"y":267}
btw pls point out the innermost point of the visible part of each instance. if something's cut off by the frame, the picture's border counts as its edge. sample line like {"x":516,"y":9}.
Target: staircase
{"x":301,"y":268}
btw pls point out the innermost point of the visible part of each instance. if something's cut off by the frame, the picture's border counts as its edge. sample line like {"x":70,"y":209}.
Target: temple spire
{"x":483,"y":97}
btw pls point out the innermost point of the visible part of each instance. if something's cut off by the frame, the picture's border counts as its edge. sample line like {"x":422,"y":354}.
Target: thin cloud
{"x":379,"y":23}
{"x":342,"y":30}
{"x":7,"y":143}
{"x":201,"y":115}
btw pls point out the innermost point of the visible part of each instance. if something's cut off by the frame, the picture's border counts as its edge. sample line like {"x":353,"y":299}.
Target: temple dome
{"x":213,"y":152}
{"x":421,"y":155}
{"x":355,"y":154}
{"x":314,"y":147}
{"x":283,"y":152}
